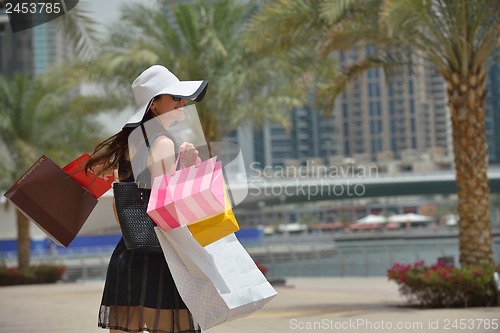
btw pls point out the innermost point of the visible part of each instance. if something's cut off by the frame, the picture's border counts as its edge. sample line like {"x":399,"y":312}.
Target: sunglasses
{"x":176,"y":98}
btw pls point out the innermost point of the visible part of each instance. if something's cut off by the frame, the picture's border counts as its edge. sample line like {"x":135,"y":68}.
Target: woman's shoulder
{"x":162,"y":142}
{"x":162,"y":147}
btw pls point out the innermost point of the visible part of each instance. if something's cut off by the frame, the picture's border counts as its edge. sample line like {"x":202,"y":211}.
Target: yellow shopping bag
{"x":216,"y":227}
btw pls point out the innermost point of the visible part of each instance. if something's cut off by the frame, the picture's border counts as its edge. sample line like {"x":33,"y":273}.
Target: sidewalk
{"x":303,"y":305}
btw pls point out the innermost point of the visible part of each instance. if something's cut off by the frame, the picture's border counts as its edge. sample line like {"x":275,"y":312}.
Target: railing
{"x":369,"y":258}
{"x":292,"y":256}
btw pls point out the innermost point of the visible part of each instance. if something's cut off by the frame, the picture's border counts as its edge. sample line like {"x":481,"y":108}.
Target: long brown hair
{"x":110,"y":152}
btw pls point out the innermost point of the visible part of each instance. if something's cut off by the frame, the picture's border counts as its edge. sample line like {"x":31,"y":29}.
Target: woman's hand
{"x":188,"y":154}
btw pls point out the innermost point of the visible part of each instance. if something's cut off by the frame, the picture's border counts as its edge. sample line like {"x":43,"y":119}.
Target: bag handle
{"x":178,"y":159}
{"x":70,"y":175}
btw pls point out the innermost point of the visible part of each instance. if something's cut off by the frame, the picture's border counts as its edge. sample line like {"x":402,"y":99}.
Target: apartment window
{"x":347,"y":148}
{"x":371,"y":107}
{"x":373,"y":73}
{"x":346,"y":128}
{"x":373,"y":146}
{"x":356,"y":96}
{"x":412,"y":125}
{"x":379,"y":108}
{"x":281,"y":143}
{"x":394,"y":146}
{"x":391,"y":90}
{"x":345,"y":111}
{"x":374,"y":89}
{"x":276,"y":130}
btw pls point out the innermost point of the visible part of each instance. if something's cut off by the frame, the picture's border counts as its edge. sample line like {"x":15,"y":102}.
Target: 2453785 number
{"x":33,"y":8}
{"x":471,"y":324}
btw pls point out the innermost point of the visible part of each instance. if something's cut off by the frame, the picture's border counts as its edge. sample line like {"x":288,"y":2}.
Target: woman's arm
{"x":162,"y":157}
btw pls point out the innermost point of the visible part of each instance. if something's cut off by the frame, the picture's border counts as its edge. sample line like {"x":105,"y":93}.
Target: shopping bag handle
{"x":178,"y":159}
{"x":70,"y":175}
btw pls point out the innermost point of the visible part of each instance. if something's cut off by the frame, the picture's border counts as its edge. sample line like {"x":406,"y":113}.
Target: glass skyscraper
{"x":15,"y":48}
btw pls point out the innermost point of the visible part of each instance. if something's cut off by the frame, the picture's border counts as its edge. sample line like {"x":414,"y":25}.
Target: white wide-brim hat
{"x":158,"y":80}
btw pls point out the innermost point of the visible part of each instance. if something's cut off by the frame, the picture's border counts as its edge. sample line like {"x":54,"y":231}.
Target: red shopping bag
{"x":188,"y":196}
{"x":52,"y":200}
{"x":96,"y":185}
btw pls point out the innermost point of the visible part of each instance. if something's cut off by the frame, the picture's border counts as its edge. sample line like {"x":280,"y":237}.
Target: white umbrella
{"x":409,"y":217}
{"x":372,"y":219}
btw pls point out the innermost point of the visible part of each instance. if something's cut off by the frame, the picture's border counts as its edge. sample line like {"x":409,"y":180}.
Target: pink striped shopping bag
{"x":188,"y":196}
{"x":156,"y":209}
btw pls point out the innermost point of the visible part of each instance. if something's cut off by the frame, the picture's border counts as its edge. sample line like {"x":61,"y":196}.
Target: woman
{"x":139,"y":293}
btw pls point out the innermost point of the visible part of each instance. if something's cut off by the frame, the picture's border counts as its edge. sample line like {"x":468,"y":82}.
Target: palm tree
{"x":43,"y":116}
{"x":202,"y":41}
{"x":32,"y":108}
{"x":456,"y":36}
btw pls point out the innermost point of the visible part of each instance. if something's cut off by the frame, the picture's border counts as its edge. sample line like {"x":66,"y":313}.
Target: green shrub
{"x":442,"y":285}
{"x":44,"y":273}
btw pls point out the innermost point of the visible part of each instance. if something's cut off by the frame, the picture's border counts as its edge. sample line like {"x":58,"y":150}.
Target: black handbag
{"x":136,"y":225}
{"x":132,"y":202}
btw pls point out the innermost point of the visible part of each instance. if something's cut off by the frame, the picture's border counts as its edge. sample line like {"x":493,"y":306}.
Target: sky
{"x":105,"y":13}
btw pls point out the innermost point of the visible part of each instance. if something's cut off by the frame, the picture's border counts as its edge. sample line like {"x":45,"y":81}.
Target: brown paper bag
{"x":52,"y":200}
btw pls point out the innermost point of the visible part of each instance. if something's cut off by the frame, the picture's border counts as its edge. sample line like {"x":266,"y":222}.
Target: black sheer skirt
{"x":140,"y":295}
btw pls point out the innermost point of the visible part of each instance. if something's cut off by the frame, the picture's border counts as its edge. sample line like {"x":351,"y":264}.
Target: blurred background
{"x":349,"y":169}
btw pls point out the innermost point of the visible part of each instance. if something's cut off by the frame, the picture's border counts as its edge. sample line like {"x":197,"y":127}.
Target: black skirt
{"x":140,"y":295}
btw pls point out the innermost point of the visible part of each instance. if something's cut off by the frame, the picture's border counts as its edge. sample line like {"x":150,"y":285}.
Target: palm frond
{"x":333,"y":85}
{"x":78,"y":28}
{"x":281,"y":24}
{"x":334,"y":11}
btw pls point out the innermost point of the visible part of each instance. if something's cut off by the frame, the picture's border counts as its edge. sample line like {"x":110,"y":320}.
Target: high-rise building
{"x":32,"y":50}
{"x":374,"y":118}
{"x":435,"y":111}
{"x":406,"y":112}
{"x":49,"y":47}
{"x":307,"y":137}
{"x":15,"y":48}
{"x":493,"y":111}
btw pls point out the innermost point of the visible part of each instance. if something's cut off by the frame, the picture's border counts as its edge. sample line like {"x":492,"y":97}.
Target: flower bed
{"x":44,"y":273}
{"x":443,"y":285}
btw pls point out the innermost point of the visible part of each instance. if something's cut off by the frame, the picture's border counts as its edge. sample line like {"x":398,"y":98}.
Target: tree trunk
{"x":23,"y":241}
{"x":210,"y":126}
{"x":467,"y":101}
